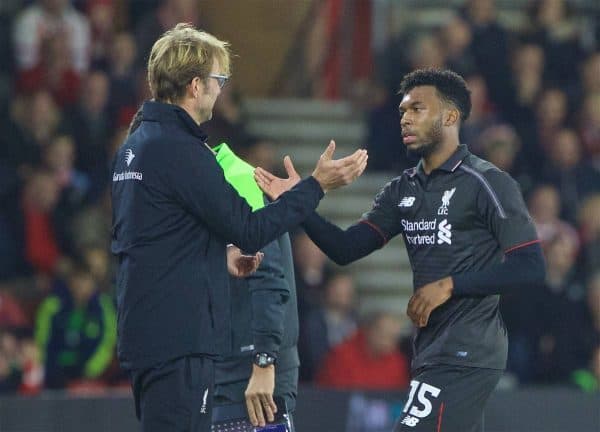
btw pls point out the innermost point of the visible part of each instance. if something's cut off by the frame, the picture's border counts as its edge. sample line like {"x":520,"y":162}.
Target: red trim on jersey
{"x":439,"y":425}
{"x":521,"y":245}
{"x":377,"y":229}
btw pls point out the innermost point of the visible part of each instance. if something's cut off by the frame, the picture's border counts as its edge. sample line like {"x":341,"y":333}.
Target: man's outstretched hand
{"x":274,"y":186}
{"x":240,"y":265}
{"x":330,"y":173}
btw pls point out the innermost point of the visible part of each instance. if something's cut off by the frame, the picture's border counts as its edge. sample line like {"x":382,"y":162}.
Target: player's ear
{"x":451,"y":117}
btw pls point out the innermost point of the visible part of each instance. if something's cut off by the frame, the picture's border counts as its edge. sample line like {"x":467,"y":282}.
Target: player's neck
{"x":439,"y":156}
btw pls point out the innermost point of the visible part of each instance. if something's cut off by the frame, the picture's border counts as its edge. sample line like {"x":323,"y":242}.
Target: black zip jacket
{"x":173,"y":215}
{"x":264,"y":314}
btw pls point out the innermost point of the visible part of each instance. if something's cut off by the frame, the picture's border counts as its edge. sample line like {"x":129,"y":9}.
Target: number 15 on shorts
{"x":422,"y":407}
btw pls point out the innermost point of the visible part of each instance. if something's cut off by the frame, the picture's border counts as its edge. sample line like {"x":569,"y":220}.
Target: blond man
{"x":174,"y":215}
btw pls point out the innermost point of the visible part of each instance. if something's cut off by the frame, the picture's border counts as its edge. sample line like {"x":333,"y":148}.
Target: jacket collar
{"x":165,"y":112}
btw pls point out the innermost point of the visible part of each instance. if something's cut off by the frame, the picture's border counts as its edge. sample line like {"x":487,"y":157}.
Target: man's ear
{"x":197,"y":87}
{"x":452,"y":117}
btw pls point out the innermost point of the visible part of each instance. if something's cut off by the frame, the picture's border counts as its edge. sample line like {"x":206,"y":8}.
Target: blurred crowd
{"x":71,"y":79}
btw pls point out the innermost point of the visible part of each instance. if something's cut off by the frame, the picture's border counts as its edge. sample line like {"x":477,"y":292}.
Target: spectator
{"x":76,"y":330}
{"x":20,"y":368}
{"x":92,"y":225}
{"x":327,"y":326}
{"x":558,"y":34}
{"x":589,"y":127}
{"x":35,"y":119}
{"x":46,"y":18}
{"x":456,"y":38}
{"x":260,"y":152}
{"x":310,"y":269}
{"x":426,"y":51}
{"x":551,"y":115}
{"x":488,"y":36}
{"x":500,"y":146}
{"x":32,"y":370}
{"x":11,"y":314}
{"x":590,"y":73}
{"x":101,"y":15}
{"x":91,"y":127}
{"x":564,"y":341}
{"x":10,"y":371}
{"x":383,"y":135}
{"x":518,"y":103}
{"x":588,"y":379}
{"x":482,"y":115}
{"x":122,"y":75}
{"x":544,"y":207}
{"x":155,"y":22}
{"x":74,"y":186}
{"x":96,"y":258}
{"x":574,"y":177}
{"x":589,"y":227}
{"x":593,"y":301}
{"x":39,"y":200}
{"x":369,"y":360}
{"x":228,"y":123}
{"x":54,"y":73}
{"x":59,"y":159}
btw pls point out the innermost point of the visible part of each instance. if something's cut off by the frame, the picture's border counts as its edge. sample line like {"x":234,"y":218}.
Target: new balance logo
{"x":129,"y":156}
{"x":407,"y":202}
{"x":444,"y":232}
{"x":410,"y":421}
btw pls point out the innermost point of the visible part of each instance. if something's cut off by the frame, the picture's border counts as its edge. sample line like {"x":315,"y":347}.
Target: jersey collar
{"x":451,"y":164}
{"x":455,"y":160}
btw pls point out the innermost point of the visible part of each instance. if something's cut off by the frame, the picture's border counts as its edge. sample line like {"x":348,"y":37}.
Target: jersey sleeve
{"x":383,"y":216}
{"x":501,"y":204}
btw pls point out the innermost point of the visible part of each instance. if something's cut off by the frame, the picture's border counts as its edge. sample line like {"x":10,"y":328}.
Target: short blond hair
{"x":181,"y":54}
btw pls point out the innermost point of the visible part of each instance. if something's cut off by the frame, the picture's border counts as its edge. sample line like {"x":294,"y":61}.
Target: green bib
{"x":240,"y":175}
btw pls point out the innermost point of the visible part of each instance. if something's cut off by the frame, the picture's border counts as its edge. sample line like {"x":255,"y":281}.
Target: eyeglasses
{"x":221,"y":79}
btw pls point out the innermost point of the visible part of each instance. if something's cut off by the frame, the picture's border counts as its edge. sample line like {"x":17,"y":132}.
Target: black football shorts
{"x":447,"y":398}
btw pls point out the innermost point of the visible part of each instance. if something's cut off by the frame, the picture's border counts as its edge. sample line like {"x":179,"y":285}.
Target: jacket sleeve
{"x":199,"y":185}
{"x":269,"y":293}
{"x":103,"y":355}
{"x":44,"y":325}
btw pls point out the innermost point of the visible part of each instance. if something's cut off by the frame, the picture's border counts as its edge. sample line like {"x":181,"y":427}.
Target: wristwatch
{"x":264,"y":360}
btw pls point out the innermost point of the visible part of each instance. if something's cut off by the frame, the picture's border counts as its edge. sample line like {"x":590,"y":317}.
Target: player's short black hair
{"x":451,"y":87}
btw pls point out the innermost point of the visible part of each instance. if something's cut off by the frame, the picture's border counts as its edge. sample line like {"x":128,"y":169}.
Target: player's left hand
{"x":274,"y":186}
{"x":427,"y":298}
{"x":240,"y":265}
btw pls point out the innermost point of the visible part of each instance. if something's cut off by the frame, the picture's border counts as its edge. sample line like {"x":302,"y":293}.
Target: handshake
{"x":330,"y":173}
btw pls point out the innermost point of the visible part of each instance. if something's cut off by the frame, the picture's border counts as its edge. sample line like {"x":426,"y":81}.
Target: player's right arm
{"x":342,"y":246}
{"x":371,"y":232}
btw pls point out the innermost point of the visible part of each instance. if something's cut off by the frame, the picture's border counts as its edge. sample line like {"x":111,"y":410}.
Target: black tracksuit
{"x":264,"y":314}
{"x":173,"y":215}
